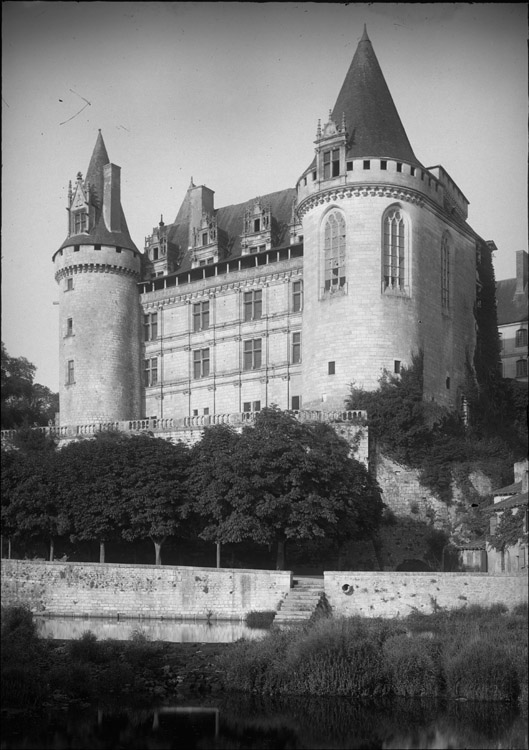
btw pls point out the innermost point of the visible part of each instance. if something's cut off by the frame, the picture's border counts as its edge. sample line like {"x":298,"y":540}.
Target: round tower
{"x":97,"y":269}
{"x":389,"y":263}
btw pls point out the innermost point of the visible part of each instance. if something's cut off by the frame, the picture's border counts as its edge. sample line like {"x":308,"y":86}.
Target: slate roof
{"x":515,"y":501}
{"x":511,"y":307}
{"x":100,"y":234}
{"x":510,"y":489}
{"x":372,"y":120}
{"x":230,"y":226}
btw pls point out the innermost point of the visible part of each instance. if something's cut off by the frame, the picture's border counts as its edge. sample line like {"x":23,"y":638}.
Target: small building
{"x":509,"y":503}
{"x":511,"y":300}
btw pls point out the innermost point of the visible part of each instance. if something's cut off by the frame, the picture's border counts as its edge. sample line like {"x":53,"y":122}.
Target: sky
{"x":229,"y":94}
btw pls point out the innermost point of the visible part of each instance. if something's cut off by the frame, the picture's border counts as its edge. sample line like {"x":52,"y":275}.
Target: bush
{"x":262,"y":619}
{"x":73,"y":680}
{"x":482,"y":671}
{"x":413,"y":666}
{"x":18,"y":619}
{"x":87,"y":649}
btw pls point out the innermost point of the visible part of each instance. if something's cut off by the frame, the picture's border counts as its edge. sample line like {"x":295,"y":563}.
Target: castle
{"x":285,"y":299}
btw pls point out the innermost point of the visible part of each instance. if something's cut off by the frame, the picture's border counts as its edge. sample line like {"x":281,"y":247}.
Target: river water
{"x":175,"y":631}
{"x":238,"y":721}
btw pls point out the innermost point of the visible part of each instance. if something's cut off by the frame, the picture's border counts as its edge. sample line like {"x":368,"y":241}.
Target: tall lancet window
{"x":394,"y":250}
{"x":445,"y":272}
{"x":334,"y":252}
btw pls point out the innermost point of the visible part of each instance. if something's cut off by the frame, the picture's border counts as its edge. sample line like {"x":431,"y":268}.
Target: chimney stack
{"x":112,"y":197}
{"x":521,"y":271}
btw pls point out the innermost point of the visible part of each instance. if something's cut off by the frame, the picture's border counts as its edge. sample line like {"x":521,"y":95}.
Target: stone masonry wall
{"x":373,"y":594}
{"x":109,"y":590}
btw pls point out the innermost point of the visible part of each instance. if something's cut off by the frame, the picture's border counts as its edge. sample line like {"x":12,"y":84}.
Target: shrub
{"x":413,"y":666}
{"x":86,"y":648}
{"x":74,"y":680}
{"x":139,"y":651}
{"x":18,"y":619}
{"x":482,"y":671}
{"x":22,"y":687}
{"x":262,"y":619}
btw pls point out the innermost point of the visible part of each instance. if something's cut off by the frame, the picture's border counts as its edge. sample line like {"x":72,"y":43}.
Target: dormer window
{"x":80,"y":222}
{"x":331,"y":163}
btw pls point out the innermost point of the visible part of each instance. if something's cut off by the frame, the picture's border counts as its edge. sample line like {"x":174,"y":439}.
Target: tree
{"x":121,"y":487}
{"x":154,"y":491}
{"x":89,"y":488}
{"x":23,"y":401}
{"x":280,"y":480}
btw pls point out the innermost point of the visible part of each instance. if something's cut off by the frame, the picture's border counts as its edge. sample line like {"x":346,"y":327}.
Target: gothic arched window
{"x":334,"y":252}
{"x":394,"y":250}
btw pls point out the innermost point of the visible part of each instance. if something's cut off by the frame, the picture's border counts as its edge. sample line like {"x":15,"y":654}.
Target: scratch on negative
{"x":88,"y":104}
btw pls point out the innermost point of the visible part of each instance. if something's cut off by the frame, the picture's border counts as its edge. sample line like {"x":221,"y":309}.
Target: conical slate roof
{"x":373,"y":123}
{"x":100,"y":233}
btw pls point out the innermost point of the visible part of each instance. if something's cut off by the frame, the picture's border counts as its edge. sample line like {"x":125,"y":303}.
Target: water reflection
{"x":239,"y":722}
{"x":223,"y":631}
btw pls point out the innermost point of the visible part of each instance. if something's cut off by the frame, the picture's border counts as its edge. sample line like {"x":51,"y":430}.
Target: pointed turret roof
{"x":99,"y":232}
{"x":94,"y":174}
{"x":373,"y":123}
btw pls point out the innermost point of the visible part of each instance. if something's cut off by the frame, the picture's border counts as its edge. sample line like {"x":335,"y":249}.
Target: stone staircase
{"x":301,"y":601}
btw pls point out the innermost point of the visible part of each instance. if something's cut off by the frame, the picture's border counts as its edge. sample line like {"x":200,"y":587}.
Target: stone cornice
{"x":359,"y":191}
{"x":95,"y":268}
{"x":168,"y":297}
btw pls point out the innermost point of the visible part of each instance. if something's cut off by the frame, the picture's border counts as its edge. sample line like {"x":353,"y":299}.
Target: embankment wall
{"x":392,"y":594}
{"x":109,"y":590}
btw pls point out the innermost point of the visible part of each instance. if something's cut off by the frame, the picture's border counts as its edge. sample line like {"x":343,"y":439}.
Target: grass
{"x":474,"y":653}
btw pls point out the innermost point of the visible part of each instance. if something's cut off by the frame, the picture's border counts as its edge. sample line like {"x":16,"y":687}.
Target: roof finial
{"x":191,"y":184}
{"x":365,"y":37}
{"x":318,"y":130}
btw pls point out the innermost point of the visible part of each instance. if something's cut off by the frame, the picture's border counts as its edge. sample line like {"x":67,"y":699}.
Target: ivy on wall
{"x":510,"y":530}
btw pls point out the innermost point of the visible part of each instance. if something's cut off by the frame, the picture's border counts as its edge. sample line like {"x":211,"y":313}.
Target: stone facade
{"x":284,"y":299}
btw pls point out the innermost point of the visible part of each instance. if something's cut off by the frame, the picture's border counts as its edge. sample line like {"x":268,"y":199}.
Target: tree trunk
{"x":52,"y":548}
{"x":280,"y":563}
{"x":218,"y":554}
{"x":158,"y":549}
{"x":101,"y":552}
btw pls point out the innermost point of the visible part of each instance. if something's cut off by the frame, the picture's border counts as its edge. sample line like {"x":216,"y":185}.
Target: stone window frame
{"x":252,"y":354}
{"x":252,"y":303}
{"x":296,"y":348}
{"x":201,"y":363}
{"x":396,"y":252}
{"x":201,"y":316}
{"x":297,"y":296}
{"x":334,"y":252}
{"x":150,"y":326}
{"x":521,"y":337}
{"x":150,"y":372}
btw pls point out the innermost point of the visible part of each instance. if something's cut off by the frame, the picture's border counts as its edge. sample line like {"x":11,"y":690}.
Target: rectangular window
{"x":399,"y":167}
{"x":383,"y":164}
{"x":297,"y":296}
{"x":331,"y":163}
{"x":69,"y":284}
{"x":521,"y":368}
{"x":396,"y":366}
{"x":150,"y":372}
{"x":69,"y":327}
{"x":150,"y":326}
{"x":253,"y":305}
{"x":205,"y":238}
{"x":331,"y":368}
{"x":295,"y":403}
{"x":252,"y":354}
{"x":296,"y":348}
{"x":70,"y":372}
{"x":80,"y":222}
{"x":206,"y":411}
{"x":367,"y":164}
{"x":155,"y":253}
{"x":349,"y":166}
{"x":493,"y":524}
{"x":200,"y":316}
{"x":412,"y":171}
{"x":200,"y":363}
{"x":521,"y":337}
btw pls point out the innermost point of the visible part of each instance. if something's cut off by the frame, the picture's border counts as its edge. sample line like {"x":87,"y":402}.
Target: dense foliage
{"x":23,"y":401}
{"x":472,"y":654}
{"x":281,"y":480}
{"x":424,"y":436}
{"x":277,"y":481}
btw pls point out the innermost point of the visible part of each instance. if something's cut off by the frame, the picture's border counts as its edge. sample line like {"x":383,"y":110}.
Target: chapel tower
{"x":389,"y":261}
{"x":97,"y":269}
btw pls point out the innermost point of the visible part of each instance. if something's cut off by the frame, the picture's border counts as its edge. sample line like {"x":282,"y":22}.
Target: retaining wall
{"x":374,"y":594}
{"x":109,"y":590}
